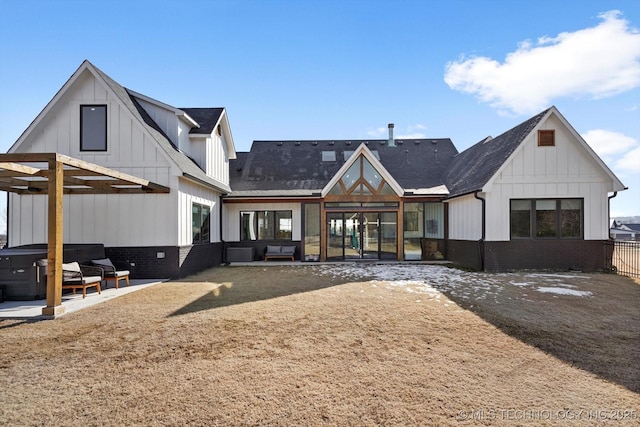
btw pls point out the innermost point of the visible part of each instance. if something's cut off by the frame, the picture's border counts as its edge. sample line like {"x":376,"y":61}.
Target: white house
{"x":95,"y":119}
{"x":536,"y":196}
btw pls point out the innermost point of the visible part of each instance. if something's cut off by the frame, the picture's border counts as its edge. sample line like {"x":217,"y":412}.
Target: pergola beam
{"x":18,"y":168}
{"x":61,"y":175}
{"x":13,"y":173}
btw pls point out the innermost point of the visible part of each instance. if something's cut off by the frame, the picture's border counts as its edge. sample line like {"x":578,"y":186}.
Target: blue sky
{"x":344,"y":69}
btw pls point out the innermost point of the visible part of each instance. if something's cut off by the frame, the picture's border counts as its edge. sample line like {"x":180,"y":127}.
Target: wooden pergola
{"x":55,"y":174}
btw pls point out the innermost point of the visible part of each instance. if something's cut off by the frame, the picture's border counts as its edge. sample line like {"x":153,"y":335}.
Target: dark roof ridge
{"x":474,"y":167}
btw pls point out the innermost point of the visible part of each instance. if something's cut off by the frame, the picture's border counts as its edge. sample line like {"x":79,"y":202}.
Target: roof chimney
{"x":392,"y":142}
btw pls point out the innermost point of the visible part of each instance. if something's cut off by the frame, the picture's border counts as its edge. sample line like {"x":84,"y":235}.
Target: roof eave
{"x":218,"y":186}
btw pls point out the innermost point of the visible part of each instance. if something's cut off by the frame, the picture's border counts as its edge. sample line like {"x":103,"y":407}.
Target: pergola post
{"x":55,"y":236}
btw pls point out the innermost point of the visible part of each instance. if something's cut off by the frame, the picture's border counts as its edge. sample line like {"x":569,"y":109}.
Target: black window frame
{"x":82,"y":126}
{"x":274,"y":234}
{"x":557,"y":218}
{"x":201,"y":234}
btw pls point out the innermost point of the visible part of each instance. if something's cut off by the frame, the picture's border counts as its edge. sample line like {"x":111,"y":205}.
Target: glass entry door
{"x":362,"y":235}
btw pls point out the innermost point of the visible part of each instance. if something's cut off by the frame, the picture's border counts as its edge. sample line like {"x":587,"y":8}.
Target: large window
{"x":547,"y":218}
{"x":93,"y":128}
{"x":312,"y":231}
{"x":265,"y":225}
{"x":200,"y":216}
{"x":421,"y":220}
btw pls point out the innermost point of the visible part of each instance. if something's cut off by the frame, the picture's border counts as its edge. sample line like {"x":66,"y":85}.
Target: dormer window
{"x":93,"y":128}
{"x":546,"y":138}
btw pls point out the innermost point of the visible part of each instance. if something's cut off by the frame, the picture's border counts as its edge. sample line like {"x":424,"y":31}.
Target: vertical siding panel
{"x":87,"y":206}
{"x":39,"y":214}
{"x":26,"y":229}
{"x":100,"y":215}
{"x":528,"y":168}
{"x":136,"y":150}
{"x":63,"y":126}
{"x":563,"y":188}
{"x":70,"y":216}
{"x":551,"y":161}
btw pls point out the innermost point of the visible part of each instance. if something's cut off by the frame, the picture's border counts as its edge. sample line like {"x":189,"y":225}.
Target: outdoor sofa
{"x":280,"y":252}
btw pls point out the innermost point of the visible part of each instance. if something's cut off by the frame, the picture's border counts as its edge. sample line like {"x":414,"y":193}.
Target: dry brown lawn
{"x":334,"y":345}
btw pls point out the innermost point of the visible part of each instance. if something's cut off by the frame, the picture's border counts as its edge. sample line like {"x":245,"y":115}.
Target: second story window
{"x":93,"y":128}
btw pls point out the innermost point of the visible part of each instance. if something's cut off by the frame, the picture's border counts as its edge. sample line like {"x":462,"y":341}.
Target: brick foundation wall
{"x":466,"y":253}
{"x":538,"y":254}
{"x":177,"y":261}
{"x":196,"y":258}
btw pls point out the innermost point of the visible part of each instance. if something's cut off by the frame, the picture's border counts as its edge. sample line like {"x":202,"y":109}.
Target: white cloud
{"x":608,"y":144}
{"x":377,"y":132}
{"x":594,"y":62}
{"x":615,"y":148}
{"x":630,"y":162}
{"x":414,"y":135}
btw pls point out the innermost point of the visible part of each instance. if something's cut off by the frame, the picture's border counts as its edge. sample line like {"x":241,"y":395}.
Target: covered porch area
{"x":53,"y":175}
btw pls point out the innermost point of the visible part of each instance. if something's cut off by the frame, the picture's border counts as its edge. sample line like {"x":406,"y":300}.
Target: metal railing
{"x":625,"y":259}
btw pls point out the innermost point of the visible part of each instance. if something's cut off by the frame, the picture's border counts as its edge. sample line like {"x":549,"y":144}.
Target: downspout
{"x":481,"y":241}
{"x":610,"y":244}
{"x":615,"y":193}
{"x":6,"y":245}
{"x":224,"y":249}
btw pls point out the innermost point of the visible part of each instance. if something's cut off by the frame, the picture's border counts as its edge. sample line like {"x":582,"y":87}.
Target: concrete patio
{"x":33,"y":309}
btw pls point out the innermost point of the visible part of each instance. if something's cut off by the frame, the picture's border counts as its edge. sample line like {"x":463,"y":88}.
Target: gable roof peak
{"x":476,"y":165}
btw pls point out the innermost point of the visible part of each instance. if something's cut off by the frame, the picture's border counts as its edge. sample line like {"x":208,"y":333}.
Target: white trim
{"x":439,"y":190}
{"x":274,"y":193}
{"x":617,"y":185}
{"x":231,"y":147}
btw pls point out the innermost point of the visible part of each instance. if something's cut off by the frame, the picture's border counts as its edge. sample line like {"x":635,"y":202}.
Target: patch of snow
{"x":435,"y":279}
{"x":561,"y":276}
{"x":520,"y":284}
{"x":564,"y":291}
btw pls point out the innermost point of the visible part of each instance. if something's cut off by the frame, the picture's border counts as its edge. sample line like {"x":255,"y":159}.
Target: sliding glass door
{"x":362,"y":235}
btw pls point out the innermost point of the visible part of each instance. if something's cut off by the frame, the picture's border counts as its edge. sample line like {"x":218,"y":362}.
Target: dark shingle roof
{"x":186,"y":164}
{"x":472,"y":169}
{"x":298,"y":165}
{"x":207,"y":118}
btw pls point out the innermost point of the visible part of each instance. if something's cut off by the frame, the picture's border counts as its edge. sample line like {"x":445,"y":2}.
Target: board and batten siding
{"x":217,"y":158}
{"x":565,"y":170}
{"x":231,"y":217}
{"x":465,"y":218}
{"x":167,"y":121}
{"x":114,"y":219}
{"x":190,"y":193}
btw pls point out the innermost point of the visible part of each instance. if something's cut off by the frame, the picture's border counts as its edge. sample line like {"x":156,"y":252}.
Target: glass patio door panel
{"x":362,"y":235}
{"x":353,"y":240}
{"x":370,"y":235}
{"x":335,"y":235}
{"x":388,"y":235}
